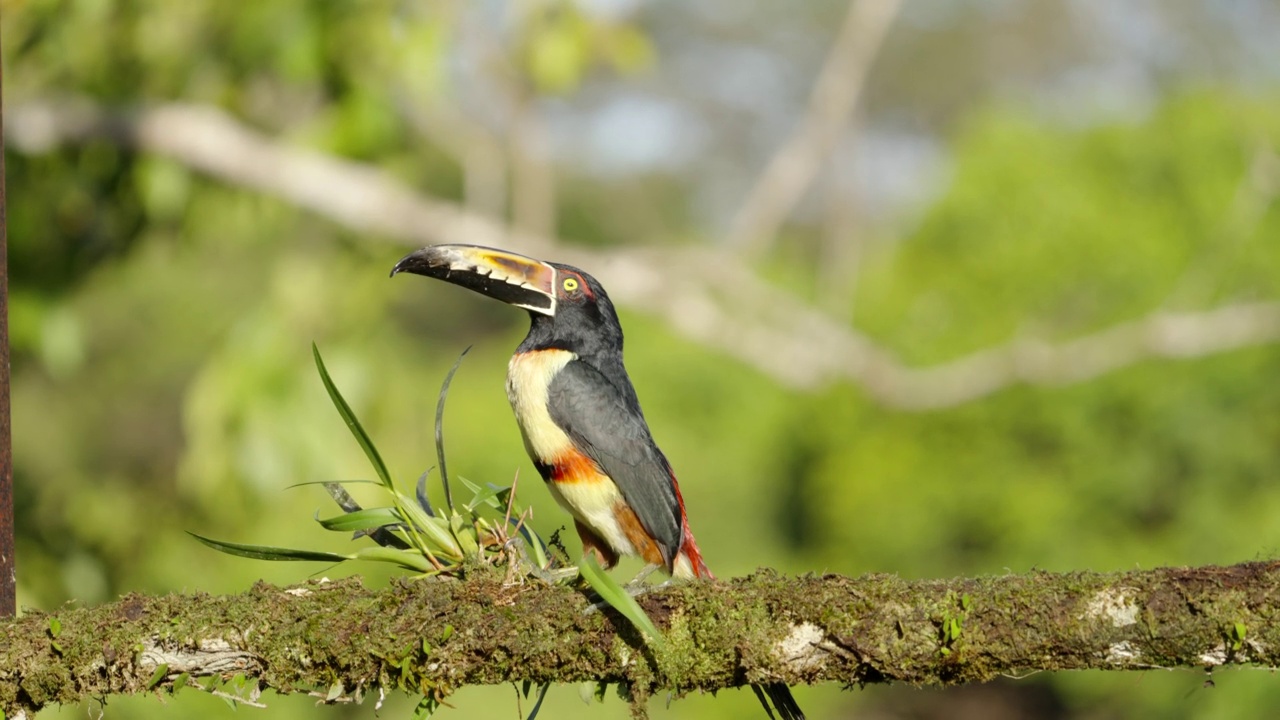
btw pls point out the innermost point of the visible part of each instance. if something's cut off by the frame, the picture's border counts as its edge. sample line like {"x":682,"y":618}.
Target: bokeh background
{"x":925,"y":288}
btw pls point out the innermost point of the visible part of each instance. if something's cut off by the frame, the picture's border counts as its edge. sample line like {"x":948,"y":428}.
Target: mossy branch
{"x":342,"y":641}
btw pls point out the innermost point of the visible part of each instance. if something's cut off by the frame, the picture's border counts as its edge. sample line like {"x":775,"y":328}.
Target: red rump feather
{"x":688,"y":546}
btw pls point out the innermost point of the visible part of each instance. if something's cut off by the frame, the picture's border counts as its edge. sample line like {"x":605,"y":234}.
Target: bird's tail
{"x":688,"y":562}
{"x":782,"y":699}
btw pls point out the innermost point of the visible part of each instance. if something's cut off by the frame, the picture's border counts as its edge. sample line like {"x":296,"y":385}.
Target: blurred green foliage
{"x":162,"y":325}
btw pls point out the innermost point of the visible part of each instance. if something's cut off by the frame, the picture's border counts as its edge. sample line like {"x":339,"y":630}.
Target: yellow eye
{"x":570,"y":284}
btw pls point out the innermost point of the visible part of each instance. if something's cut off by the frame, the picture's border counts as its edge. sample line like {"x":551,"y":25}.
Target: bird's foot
{"x":637,"y":583}
{"x":556,"y":576}
{"x":635,"y":587}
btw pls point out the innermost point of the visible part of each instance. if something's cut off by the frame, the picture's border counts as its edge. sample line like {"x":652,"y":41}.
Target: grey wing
{"x":607,"y":425}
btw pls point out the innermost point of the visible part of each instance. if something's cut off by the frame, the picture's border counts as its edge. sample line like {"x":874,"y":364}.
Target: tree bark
{"x":342,"y":641}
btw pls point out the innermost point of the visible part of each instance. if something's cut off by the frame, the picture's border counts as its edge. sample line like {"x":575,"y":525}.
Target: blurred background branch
{"x":793,"y":167}
{"x":709,"y":296}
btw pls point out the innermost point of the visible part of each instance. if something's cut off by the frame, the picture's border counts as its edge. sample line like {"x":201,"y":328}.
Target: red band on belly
{"x":574,"y":467}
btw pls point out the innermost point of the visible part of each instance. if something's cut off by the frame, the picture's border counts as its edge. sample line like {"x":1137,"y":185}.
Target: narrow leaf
{"x":408,"y":559}
{"x":264,"y":552}
{"x":161,"y":670}
{"x":341,"y":496}
{"x":542,"y":694}
{"x":425,"y":709}
{"x":444,"y":393}
{"x":352,"y":423}
{"x":482,"y":495}
{"x":381,"y":534}
{"x":611,"y":592}
{"x":362,"y":519}
{"x":534,"y":542}
{"x":420,"y":491}
{"x":464,"y":533}
{"x":435,"y":528}
{"x":332,"y":482}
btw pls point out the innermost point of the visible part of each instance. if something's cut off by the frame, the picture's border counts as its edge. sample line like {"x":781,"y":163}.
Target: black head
{"x":583,"y":319}
{"x":568,"y":307}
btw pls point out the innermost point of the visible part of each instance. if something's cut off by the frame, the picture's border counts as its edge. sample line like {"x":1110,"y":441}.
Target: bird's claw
{"x":635,"y":587}
{"x":637,"y":582}
{"x":556,"y":576}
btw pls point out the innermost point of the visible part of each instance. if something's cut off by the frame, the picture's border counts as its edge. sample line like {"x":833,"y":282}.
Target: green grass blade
{"x":409,"y":559}
{"x":482,"y":495}
{"x":436,"y":529}
{"x":425,"y":709}
{"x":533,"y":544}
{"x":444,"y":393}
{"x":342,"y":497}
{"x":420,"y":493}
{"x":464,"y":531}
{"x":611,"y":592}
{"x":352,"y":423}
{"x":542,"y":694}
{"x":333,"y":482}
{"x":362,"y":519}
{"x":265,"y":552}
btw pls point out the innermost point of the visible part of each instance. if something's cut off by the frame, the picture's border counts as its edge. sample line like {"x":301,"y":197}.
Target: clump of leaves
{"x":489,"y":528}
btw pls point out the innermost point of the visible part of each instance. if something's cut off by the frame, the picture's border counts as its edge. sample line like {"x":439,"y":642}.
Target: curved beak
{"x":514,"y":279}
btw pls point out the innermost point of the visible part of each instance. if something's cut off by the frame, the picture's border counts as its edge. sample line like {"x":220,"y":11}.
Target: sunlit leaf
{"x":332,"y":482}
{"x":434,"y":528}
{"x":341,"y":496}
{"x":533,"y":542}
{"x":612,"y":593}
{"x":161,"y":670}
{"x":352,"y":423}
{"x":542,"y":694}
{"x":425,"y":709}
{"x":444,"y":394}
{"x":482,"y":495}
{"x":408,"y":559}
{"x":265,"y":552}
{"x":420,"y":492}
{"x":464,"y":533}
{"x":362,"y":519}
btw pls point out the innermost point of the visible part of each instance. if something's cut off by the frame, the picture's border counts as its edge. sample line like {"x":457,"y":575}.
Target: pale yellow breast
{"x":528,"y":376}
{"x":590,"y":499}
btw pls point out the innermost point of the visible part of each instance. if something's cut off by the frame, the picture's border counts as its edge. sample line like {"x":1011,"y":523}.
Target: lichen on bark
{"x":343,"y":640}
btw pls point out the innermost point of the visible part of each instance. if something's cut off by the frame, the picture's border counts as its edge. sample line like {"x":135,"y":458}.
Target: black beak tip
{"x":413,"y":262}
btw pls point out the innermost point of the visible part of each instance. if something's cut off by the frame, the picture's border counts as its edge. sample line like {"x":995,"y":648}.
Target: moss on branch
{"x":429,"y":636}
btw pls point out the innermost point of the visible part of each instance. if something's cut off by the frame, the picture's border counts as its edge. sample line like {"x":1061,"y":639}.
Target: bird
{"x":579,"y":415}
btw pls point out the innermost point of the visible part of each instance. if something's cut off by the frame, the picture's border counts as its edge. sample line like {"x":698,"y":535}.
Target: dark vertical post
{"x":8,"y":572}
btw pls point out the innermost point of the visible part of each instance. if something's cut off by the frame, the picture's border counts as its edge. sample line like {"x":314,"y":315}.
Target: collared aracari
{"x":579,"y":414}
